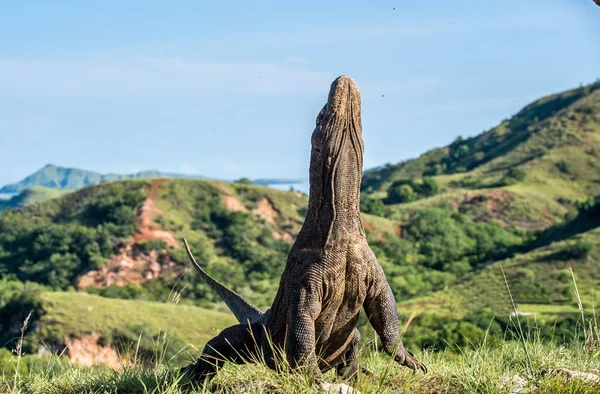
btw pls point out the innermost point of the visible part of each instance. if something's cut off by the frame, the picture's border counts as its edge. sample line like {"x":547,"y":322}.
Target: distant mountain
{"x":56,"y":177}
{"x":63,"y":178}
{"x":276,"y":181}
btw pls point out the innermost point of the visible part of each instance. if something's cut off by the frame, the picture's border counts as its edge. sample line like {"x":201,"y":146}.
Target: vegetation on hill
{"x":543,"y":132}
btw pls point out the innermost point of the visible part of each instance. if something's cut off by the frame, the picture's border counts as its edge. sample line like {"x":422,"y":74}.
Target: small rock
{"x":573,"y":375}
{"x":516,"y":383}
{"x":338,"y":388}
{"x":252,"y":387}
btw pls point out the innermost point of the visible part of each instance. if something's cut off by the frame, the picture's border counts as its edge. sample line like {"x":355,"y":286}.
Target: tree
{"x":429,"y":187}
{"x":244,"y":181}
{"x":402,"y":193}
{"x":371,"y":205}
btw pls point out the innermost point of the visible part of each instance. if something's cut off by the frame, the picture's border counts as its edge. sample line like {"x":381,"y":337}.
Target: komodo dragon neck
{"x":336,"y":163}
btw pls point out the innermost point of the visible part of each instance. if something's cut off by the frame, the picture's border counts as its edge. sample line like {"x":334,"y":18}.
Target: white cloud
{"x":152,"y":77}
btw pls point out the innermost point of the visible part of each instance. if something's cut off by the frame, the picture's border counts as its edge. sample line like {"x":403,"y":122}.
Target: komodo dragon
{"x":331,"y":272}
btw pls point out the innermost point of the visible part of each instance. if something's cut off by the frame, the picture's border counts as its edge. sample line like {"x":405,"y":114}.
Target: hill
{"x":553,"y":129}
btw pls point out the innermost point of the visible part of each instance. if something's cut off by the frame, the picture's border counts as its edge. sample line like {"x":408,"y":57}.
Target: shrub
{"x":565,"y":167}
{"x":371,"y":205}
{"x":402,"y":194}
{"x":517,"y":174}
{"x":514,"y":175}
{"x":579,"y":249}
{"x":404,"y":191}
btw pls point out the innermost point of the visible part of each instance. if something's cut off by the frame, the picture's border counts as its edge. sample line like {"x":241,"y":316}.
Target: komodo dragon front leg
{"x":380,"y":307}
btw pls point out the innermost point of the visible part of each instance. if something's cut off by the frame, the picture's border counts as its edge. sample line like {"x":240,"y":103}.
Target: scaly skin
{"x":331,"y":272}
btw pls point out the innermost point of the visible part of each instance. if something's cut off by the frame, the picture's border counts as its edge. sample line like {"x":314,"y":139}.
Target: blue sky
{"x":231,"y":89}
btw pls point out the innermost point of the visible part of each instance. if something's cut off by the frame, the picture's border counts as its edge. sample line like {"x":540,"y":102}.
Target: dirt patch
{"x":266,"y":210}
{"x":223,"y":188}
{"x":86,"y":352}
{"x":284,"y":235}
{"x":230,"y":202}
{"x":233,"y":204}
{"x":497,"y":205}
{"x":129,"y":266}
{"x":147,"y":229}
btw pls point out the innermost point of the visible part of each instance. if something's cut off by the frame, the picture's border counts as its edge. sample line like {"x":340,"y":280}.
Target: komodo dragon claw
{"x":408,"y":359}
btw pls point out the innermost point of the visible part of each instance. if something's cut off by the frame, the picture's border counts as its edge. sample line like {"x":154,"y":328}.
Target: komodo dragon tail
{"x":242,"y":310}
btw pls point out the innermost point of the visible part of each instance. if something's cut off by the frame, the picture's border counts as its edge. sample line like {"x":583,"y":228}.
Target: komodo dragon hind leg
{"x":348,"y":367}
{"x":239,"y":344}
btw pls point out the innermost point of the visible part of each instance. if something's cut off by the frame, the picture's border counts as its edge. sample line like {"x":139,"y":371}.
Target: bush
{"x":579,"y":249}
{"x":429,"y":187}
{"x":371,"y":205}
{"x":244,"y":181}
{"x":404,"y":191}
{"x":514,"y":175}
{"x":565,"y":167}
{"x":146,"y":246}
{"x":517,"y":174}
{"x":401,"y":193}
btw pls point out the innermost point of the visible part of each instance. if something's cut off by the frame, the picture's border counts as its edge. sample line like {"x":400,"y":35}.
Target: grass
{"x":515,"y":207}
{"x":486,"y":369}
{"x":496,"y":366}
{"x":121,"y":322}
{"x":547,"y":308}
{"x":540,"y":281}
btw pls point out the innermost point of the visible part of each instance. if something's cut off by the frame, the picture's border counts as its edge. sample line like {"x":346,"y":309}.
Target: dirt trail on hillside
{"x":147,"y":230}
{"x":130,"y":264}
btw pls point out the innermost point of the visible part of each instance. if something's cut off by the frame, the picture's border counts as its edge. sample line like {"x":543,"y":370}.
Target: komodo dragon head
{"x":336,"y":159}
{"x":336,"y":163}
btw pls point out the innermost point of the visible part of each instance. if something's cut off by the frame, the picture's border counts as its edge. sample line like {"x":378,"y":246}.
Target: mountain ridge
{"x":52,"y":176}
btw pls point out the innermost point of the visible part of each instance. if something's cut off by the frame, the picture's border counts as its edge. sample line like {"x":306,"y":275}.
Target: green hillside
{"x":540,"y":275}
{"x":559,"y":127}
